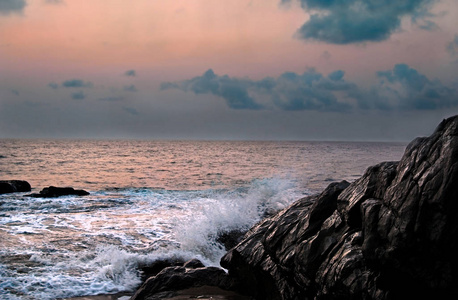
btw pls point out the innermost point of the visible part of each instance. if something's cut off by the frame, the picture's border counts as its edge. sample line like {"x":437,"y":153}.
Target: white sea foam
{"x":224,"y":212}
{"x":74,"y":246}
{"x":99,"y":250}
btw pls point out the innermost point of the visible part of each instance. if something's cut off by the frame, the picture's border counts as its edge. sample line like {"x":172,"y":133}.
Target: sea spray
{"x":150,"y":201}
{"x":231,"y":211}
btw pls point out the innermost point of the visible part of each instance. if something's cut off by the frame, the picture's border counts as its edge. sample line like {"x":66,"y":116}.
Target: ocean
{"x":149,"y":200}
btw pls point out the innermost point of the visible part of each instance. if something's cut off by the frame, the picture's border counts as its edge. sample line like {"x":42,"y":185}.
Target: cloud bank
{"x":12,"y":6}
{"x":356,"y":21}
{"x":406,"y":89}
{"x":402,"y":88}
{"x":233,"y":90}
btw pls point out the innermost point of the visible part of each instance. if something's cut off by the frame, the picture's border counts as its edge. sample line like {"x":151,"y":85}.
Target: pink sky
{"x":172,"y":41}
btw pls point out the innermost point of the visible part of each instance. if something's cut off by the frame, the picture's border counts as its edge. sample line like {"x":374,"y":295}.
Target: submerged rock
{"x":14,"y":186}
{"x":52,"y":192}
{"x":391,"y":234}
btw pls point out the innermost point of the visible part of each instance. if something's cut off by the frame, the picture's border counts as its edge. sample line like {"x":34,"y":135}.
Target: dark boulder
{"x":14,"y":186}
{"x":152,"y":269}
{"x":179,"y":278}
{"x":52,"y":192}
{"x":391,"y":234}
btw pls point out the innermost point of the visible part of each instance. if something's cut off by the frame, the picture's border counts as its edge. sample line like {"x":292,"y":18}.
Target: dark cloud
{"x":12,"y":6}
{"x":313,"y":91}
{"x":76,"y":83}
{"x":234,"y":91}
{"x":290,"y":91}
{"x":405,"y":88}
{"x":130,"y":88}
{"x":78,"y":95}
{"x":112,"y":99}
{"x":131,"y":73}
{"x":53,"y":85}
{"x":356,"y":21}
{"x":452,"y":47}
{"x":402,"y":88}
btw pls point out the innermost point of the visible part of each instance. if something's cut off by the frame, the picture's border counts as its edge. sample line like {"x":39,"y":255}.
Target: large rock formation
{"x":13,"y":186}
{"x":391,"y":234}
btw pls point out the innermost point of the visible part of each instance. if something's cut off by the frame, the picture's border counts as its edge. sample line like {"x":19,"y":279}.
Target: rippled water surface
{"x":149,"y":200}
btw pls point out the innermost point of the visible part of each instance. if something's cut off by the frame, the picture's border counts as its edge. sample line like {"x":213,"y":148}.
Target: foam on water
{"x":75,"y":246}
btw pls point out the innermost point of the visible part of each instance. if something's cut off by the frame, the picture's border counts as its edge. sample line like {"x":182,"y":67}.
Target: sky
{"x":362,"y":70}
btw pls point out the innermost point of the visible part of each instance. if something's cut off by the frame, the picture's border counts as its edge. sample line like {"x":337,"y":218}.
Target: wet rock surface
{"x":14,"y":186}
{"x":192,"y":274}
{"x":393,"y":233}
{"x":52,"y":192}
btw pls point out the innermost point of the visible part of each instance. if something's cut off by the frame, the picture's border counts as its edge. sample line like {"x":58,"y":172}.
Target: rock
{"x":52,"y":192}
{"x":179,"y":278}
{"x":391,"y":234}
{"x":14,"y":186}
{"x":194,"y":264}
{"x":157,"y":266}
{"x":229,"y":239}
{"x":265,"y":261}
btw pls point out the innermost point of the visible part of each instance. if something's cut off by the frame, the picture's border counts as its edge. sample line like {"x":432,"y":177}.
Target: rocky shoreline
{"x":391,"y":234}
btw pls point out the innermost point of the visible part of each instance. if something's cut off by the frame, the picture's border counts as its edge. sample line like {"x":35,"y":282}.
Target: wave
{"x":80,"y":246}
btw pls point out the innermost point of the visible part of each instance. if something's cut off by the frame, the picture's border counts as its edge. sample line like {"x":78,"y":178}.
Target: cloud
{"x":53,"y":85}
{"x":76,"y":83}
{"x":130,"y":88}
{"x":233,"y":90}
{"x":452,"y":47}
{"x":402,"y":88}
{"x":308,"y":91}
{"x":78,"y":95}
{"x":130,"y":73}
{"x":357,"y":21}
{"x":12,"y":6}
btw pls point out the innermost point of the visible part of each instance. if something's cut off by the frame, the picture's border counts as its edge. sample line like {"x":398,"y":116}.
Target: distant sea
{"x":149,"y":200}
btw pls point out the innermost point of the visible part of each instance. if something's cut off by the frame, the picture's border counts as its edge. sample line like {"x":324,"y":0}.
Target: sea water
{"x":149,"y":200}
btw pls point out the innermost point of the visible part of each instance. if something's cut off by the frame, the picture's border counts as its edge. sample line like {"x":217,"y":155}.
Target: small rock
{"x":52,"y":192}
{"x":194,"y":264}
{"x":14,"y":186}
